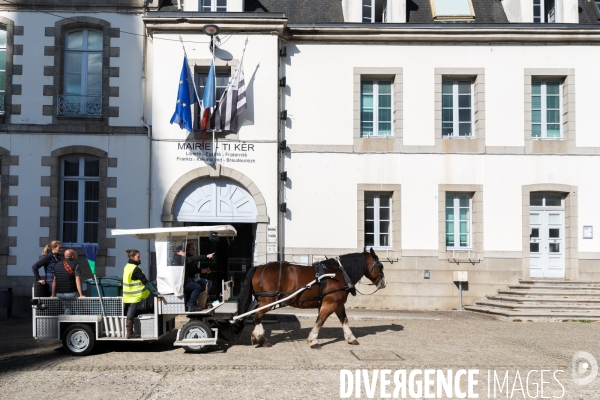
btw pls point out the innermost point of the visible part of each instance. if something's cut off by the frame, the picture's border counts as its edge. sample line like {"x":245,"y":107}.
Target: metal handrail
{"x":79,"y":105}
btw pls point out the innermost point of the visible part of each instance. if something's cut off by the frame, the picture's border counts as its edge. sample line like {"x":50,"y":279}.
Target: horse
{"x":276,"y":280}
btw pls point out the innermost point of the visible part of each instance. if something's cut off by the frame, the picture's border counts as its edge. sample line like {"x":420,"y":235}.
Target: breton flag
{"x":232,"y":103}
{"x":208,"y":100}
{"x":186,"y":96}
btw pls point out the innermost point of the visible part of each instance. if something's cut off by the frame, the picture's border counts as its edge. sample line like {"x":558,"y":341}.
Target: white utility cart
{"x":81,"y":323}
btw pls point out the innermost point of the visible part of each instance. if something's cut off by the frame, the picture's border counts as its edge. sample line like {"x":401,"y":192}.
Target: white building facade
{"x":468,"y":145}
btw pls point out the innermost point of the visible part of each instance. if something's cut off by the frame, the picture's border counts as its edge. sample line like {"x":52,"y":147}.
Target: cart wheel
{"x":196,"y":329}
{"x":79,"y":340}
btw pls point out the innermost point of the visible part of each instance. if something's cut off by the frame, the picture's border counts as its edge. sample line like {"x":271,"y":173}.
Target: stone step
{"x":553,"y":293}
{"x":556,"y":287}
{"x":534,"y":306}
{"x":545,"y":300}
{"x":556,"y":282}
{"x":536,"y":315}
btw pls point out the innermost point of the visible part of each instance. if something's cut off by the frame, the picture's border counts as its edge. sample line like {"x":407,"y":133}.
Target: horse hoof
{"x":354,"y":342}
{"x":266,"y":344}
{"x":316,"y":346}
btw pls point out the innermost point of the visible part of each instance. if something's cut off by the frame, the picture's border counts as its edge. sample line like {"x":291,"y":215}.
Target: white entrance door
{"x":547,"y":244}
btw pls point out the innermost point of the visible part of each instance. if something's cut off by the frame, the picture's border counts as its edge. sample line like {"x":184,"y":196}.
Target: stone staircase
{"x":544,"y":300}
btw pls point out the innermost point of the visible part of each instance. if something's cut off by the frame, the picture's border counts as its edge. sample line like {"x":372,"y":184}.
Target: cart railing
{"x":53,"y":307}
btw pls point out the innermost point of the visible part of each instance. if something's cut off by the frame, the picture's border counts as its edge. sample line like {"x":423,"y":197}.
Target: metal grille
{"x":70,"y":104}
{"x":51,"y":307}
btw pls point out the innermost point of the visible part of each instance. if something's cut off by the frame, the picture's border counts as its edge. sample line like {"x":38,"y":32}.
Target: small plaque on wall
{"x":588,"y":232}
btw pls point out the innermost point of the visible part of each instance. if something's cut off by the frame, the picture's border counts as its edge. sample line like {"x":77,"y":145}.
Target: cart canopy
{"x":170,"y":244}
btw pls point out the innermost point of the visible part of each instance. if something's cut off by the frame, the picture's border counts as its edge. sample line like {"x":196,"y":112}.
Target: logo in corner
{"x":584,"y":363}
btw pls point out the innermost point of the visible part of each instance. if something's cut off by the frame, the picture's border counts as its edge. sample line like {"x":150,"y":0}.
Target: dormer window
{"x":544,"y":11}
{"x":452,"y":10}
{"x":213,"y":5}
{"x":374,"y":11}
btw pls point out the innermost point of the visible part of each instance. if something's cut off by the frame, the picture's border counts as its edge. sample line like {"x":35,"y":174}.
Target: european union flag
{"x":186,"y":96}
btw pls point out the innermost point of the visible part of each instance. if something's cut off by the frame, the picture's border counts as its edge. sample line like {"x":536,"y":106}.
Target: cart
{"x":82,"y":322}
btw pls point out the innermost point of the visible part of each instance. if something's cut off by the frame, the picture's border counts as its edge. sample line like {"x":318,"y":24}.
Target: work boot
{"x":130,"y":333}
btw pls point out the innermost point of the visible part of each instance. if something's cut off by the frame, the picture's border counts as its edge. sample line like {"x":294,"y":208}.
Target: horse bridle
{"x":379,"y":265}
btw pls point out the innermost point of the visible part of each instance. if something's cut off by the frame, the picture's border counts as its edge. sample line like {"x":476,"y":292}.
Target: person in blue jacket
{"x":50,"y":256}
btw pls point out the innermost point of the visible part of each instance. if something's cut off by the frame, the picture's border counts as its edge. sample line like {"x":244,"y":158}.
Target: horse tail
{"x":245,"y":297}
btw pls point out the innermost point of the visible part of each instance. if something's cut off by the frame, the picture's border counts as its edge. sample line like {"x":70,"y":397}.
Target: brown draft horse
{"x":274,"y":285}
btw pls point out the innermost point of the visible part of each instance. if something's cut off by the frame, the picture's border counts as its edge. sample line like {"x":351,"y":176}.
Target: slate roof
{"x":417,"y":11}
{"x":486,"y":12}
{"x":588,"y":13}
{"x":300,"y":11}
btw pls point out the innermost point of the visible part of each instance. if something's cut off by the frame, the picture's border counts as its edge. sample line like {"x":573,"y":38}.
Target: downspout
{"x":280,"y":159}
{"x":149,"y":130}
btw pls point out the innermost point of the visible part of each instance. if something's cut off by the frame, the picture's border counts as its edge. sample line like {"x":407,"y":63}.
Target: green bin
{"x":110,"y":286}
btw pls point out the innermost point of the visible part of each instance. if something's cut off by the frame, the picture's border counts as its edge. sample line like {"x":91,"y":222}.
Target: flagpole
{"x":212,"y":38}
{"x":185,"y":55}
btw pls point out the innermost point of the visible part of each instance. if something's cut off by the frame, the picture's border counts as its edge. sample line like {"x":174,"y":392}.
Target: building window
{"x":2,"y":67}
{"x":544,"y":11}
{"x":375,"y":108}
{"x":457,"y":108}
{"x":378,"y":220}
{"x":213,"y":6}
{"x":374,"y":11}
{"x":80,"y":185}
{"x":82,"y":93}
{"x":222,"y":79}
{"x":452,"y":10}
{"x":546,"y":110}
{"x":458,"y":221}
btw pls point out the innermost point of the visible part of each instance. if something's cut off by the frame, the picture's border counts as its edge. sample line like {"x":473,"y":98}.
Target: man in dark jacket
{"x":191,"y":287}
{"x":67,"y":278}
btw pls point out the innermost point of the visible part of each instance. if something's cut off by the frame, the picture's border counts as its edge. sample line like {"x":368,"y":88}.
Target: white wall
{"x":323,"y":76}
{"x":131,"y":191}
{"x":261,"y":77}
{"x":33,"y":61}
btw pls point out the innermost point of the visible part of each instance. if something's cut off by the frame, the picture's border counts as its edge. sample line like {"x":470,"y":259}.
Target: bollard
{"x":6,"y":298}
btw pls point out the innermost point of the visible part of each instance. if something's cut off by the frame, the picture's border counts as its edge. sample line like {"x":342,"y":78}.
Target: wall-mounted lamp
{"x":283,"y":207}
{"x":282,"y":145}
{"x":283,"y":52}
{"x":283,"y":176}
{"x":282,"y":82}
{"x":283,"y":115}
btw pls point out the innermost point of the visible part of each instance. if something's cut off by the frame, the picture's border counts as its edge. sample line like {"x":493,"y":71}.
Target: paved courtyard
{"x":291,"y":370}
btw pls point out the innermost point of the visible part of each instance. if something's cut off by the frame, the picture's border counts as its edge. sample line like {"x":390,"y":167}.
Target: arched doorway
{"x":221,"y":200}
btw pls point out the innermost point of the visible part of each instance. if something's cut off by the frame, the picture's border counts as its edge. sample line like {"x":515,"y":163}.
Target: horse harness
{"x":322,"y":283}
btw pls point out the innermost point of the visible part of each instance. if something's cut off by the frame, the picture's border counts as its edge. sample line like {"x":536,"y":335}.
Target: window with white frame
{"x":378,"y":220}
{"x":375,"y":108}
{"x":546,"y":110}
{"x":544,"y":11}
{"x":222,"y":79}
{"x":374,"y":11}
{"x":213,"y":6}
{"x":82,"y":94}
{"x":2,"y":67}
{"x":458,"y":221}
{"x":457,"y":108}
{"x":80,"y":185}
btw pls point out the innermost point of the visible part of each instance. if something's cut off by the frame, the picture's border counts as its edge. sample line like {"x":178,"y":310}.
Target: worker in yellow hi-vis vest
{"x":135,"y":288}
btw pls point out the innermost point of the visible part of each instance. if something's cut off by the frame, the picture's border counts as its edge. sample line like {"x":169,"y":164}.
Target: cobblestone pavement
{"x":292,"y":370}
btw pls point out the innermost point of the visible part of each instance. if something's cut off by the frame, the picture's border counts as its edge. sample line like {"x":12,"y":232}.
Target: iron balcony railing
{"x":1,"y":103}
{"x":78,"y":105}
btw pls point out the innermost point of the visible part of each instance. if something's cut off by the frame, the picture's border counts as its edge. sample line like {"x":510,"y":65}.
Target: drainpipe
{"x":280,"y":159}
{"x":149,"y":130}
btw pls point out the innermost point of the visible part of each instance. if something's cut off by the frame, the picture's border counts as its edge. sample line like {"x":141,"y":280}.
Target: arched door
{"x":215,"y":200}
